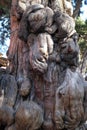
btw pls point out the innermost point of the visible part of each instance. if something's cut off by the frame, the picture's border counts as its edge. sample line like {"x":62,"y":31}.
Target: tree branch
{"x":77,"y":8}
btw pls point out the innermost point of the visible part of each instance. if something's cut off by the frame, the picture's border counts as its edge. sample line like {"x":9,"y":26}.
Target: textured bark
{"x":43,"y":57}
{"x":8,"y":93}
{"x":68,"y":97}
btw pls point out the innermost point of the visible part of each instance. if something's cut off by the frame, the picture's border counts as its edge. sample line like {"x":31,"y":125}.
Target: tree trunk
{"x":42,"y":62}
{"x":16,"y":45}
{"x":77,"y":8}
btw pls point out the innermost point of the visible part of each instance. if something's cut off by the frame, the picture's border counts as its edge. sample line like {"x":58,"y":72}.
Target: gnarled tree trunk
{"x":43,"y":57}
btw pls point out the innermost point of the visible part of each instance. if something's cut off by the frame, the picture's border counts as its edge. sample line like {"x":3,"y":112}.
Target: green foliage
{"x":5,"y":6}
{"x":81,"y":27}
{"x":3,"y":10}
{"x":79,"y":22}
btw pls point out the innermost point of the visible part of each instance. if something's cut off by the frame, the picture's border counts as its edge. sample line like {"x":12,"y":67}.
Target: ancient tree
{"x":42,"y":89}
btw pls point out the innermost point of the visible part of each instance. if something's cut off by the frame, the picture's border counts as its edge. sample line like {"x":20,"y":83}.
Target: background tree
{"x":77,"y":4}
{"x":81,"y":28}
